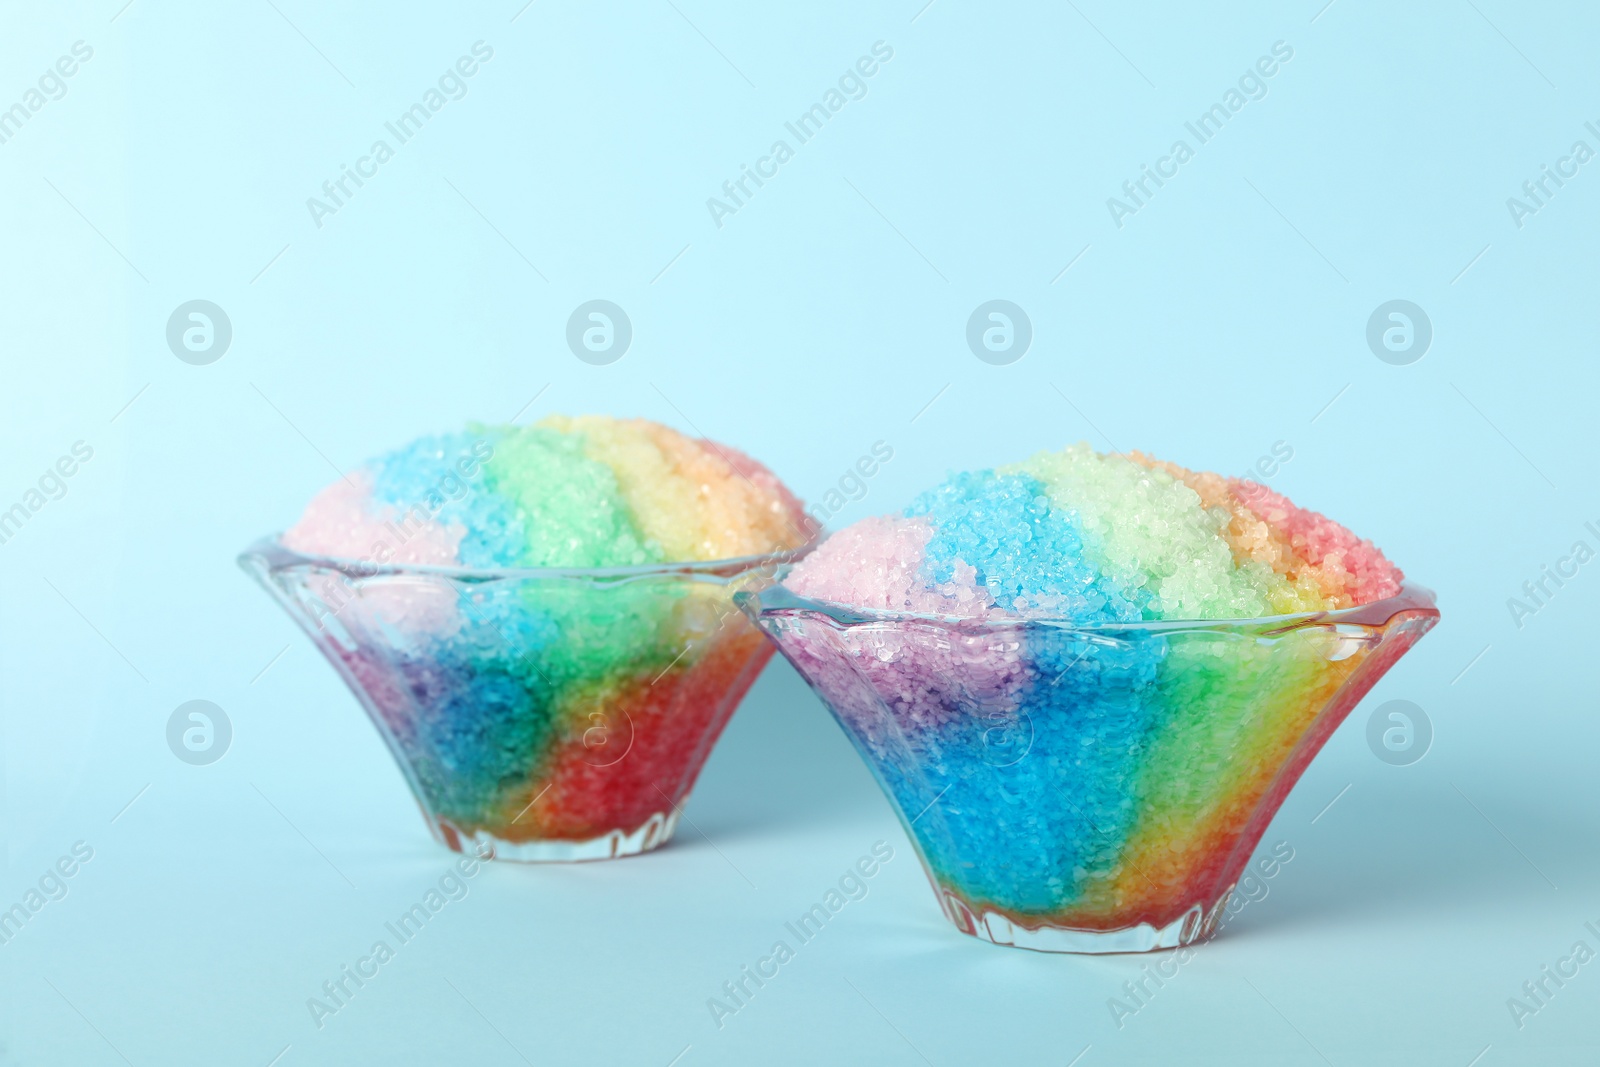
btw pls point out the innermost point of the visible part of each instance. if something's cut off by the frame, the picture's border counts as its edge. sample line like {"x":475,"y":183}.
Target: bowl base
{"x":656,"y":831}
{"x":1193,"y":925}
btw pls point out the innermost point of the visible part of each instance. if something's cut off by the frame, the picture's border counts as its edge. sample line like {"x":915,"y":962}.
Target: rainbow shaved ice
{"x":1062,"y":673}
{"x":1098,"y":539}
{"x":543,"y":713}
{"x":566,"y":492}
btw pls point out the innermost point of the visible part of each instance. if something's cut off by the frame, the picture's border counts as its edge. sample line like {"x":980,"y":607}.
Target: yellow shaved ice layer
{"x":1290,"y":585}
{"x":688,"y":501}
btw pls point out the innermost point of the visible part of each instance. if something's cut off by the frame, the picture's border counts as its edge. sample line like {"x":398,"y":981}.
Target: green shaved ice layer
{"x":1149,"y":534}
{"x":574,"y":511}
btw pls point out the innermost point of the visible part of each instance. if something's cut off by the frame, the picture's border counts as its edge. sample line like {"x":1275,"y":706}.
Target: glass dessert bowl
{"x":1087,"y":788}
{"x":538,"y":714}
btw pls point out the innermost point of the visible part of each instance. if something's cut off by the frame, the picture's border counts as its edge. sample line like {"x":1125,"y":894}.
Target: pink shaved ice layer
{"x":875,"y":563}
{"x":923,"y":678}
{"x":1345,"y":565}
{"x":341,"y":522}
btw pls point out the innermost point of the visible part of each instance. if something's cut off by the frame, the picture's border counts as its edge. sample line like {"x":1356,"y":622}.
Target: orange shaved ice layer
{"x":1349,"y":569}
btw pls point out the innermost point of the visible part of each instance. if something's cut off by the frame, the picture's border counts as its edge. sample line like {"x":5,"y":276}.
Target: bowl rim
{"x":270,"y":554}
{"x":778,"y":600}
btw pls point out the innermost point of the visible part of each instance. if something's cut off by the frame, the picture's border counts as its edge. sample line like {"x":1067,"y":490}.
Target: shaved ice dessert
{"x":539,"y":620}
{"x":1087,"y":682}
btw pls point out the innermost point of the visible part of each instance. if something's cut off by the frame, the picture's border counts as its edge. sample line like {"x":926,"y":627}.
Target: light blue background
{"x":829,"y":313}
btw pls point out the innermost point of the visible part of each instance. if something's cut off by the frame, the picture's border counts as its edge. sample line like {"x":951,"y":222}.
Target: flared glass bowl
{"x":1087,"y":789}
{"x":537,"y":714}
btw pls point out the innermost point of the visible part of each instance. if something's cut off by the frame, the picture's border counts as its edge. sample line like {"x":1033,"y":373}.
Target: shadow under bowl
{"x":1087,"y":788}
{"x":538,"y":714}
